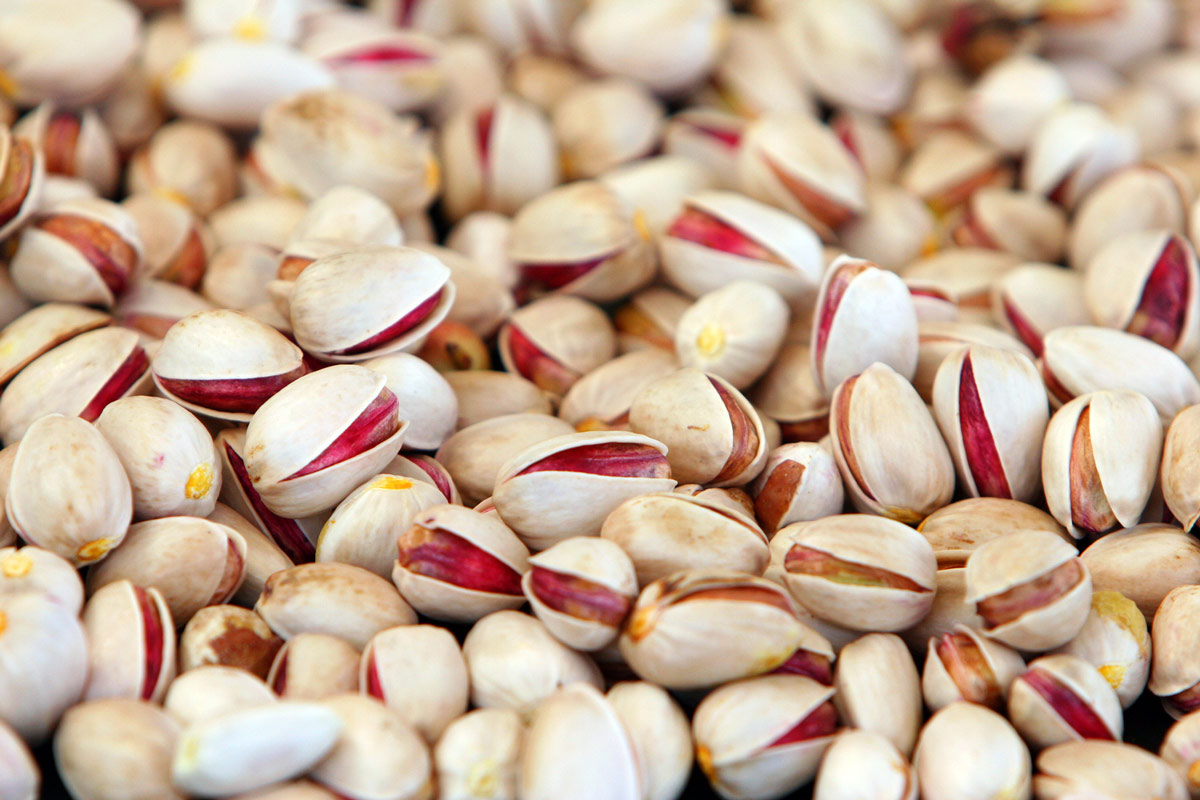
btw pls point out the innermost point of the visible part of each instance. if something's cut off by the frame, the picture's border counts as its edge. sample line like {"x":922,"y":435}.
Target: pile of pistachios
{"x":599,"y":399}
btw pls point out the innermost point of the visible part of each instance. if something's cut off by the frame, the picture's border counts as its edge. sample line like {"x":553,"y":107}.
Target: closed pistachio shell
{"x":474,"y":455}
{"x":1031,"y":300}
{"x":733,"y":332}
{"x":1115,"y":640}
{"x":1144,"y":563}
{"x":660,"y":735}
{"x":1104,"y":769}
{"x":1012,"y":97}
{"x":378,"y":754}
{"x":338,"y":599}
{"x":763,"y":737}
{"x":581,"y":588}
{"x":1021,"y":223}
{"x":649,"y":319}
{"x":964,"y":665}
{"x":1092,"y":483}
{"x":362,"y":530}
{"x":601,"y":399}
{"x":477,"y":756}
{"x":1030,"y":588}
{"x":991,"y":760}
{"x":1178,"y":467}
{"x":116,"y":748}
{"x":753,"y":75}
{"x":956,"y":530}
{"x":186,"y":160}
{"x":22,"y":779}
{"x":419,"y":672}
{"x":877,"y":688}
{"x":601,"y":124}
{"x":227,"y":635}
{"x":1061,"y":698}
{"x":312,"y":666}
{"x":32,"y":569}
{"x":863,"y":764}
{"x":1173,"y":676}
{"x":131,"y":643}
{"x":555,"y":340}
{"x":896,"y":228}
{"x":514,"y":662}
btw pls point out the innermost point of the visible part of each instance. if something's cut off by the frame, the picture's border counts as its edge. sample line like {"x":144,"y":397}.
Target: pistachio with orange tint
{"x":712,"y":434}
{"x":1115,"y":641}
{"x":419,"y":672}
{"x":581,"y":589}
{"x":131,"y":643}
{"x":80,"y":251}
{"x":567,"y":485}
{"x":369,"y":302}
{"x":22,"y":175}
{"x":859,"y":571}
{"x":229,"y":636}
{"x":1100,"y":461}
{"x":554,"y":341}
{"x":800,"y":482}
{"x":1030,"y":588}
{"x":177,"y":244}
{"x":991,"y":407}
{"x":39,"y":330}
{"x":320,"y":436}
{"x":402,"y":69}
{"x":582,"y":239}
{"x":192,"y":561}
{"x":68,"y":492}
{"x":312,"y":666}
{"x":74,"y":143}
{"x":1146,"y":283}
{"x":733,"y":332}
{"x":457,"y":564}
{"x":902,"y":469}
{"x":1022,"y":223}
{"x":864,"y":315}
{"x":224,"y":364}
{"x":1061,"y":698}
{"x":764,"y":737}
{"x":964,"y":665}
{"x":1074,"y":147}
{"x":1173,"y":674}
{"x":649,"y":319}
{"x":703,"y":627}
{"x":793,"y":161}
{"x":1033,"y":299}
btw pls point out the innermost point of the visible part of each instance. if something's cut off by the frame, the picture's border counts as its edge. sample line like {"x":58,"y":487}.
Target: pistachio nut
{"x":1104,"y":769}
{"x":601,"y":124}
{"x":419,"y":672}
{"x":861,"y":764}
{"x":477,"y":756}
{"x":800,"y":482}
{"x":41,"y":329}
{"x":271,"y":219}
{"x":1010,"y":100}
{"x":1178,"y":749}
{"x":708,"y":136}
{"x":660,"y":735}
{"x":116,"y":748}
{"x":950,"y":166}
{"x":896,"y":228}
{"x":733,"y":332}
{"x":967,"y":274}
{"x":473,"y":456}
{"x":484,"y":394}
{"x":378,"y":754}
{"x":1177,"y":468}
{"x":210,"y":691}
{"x":877,"y":688}
{"x":554,"y":341}
{"x":1143,"y":563}
{"x":969,"y":752}
{"x":1061,"y":698}
{"x":1173,"y":676}
{"x":1115,"y":640}
{"x":1136,"y":198}
{"x":74,"y":143}
{"x":312,"y":666}
{"x":187,"y":160}
{"x":514,"y":25}
{"x":24,"y":174}
{"x":601,"y":399}
{"x":1031,"y":300}
{"x":1072,"y":148}
{"x":425,"y":469}
{"x":131,"y":643}
{"x":22,"y":780}
{"x":176,"y":244}
{"x":151,"y":307}
{"x":582,"y":589}
{"x":230,"y":636}
{"x":32,"y":569}
{"x":965,"y":665}
{"x":1022,"y":223}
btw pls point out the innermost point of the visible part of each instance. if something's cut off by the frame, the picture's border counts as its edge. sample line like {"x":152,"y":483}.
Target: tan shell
{"x":32,"y":569}
{"x":41,"y":329}
{"x":1009,"y":101}
{"x":151,"y":307}
{"x":658,"y":186}
{"x":22,"y":780}
{"x":117,"y":748}
{"x":1040,"y":723}
{"x":602,"y":398}
{"x":598,"y":563}
{"x":896,"y":228}
{"x":878,"y":689}
{"x":1074,"y":147}
{"x":207,"y":692}
{"x":957,"y":529}
{"x":864,"y":764}
{"x":660,"y":735}
{"x":227,"y":635}
{"x":789,"y":394}
{"x":990,"y":758}
{"x":474,"y":455}
{"x":377,"y":754}
{"x":703,"y":134}
{"x":264,"y":556}
{"x":187,"y":160}
{"x":313,"y":666}
{"x":600,"y":124}
{"x":126,"y":656}
{"x":1144,"y":563}
{"x":419,"y":672}
{"x":1173,"y":669}
{"x":1033,"y":299}
{"x":938,"y":685}
{"x":1141,"y":197}
{"x":478,"y":753}
{"x":1092,"y":767}
{"x":649,"y":319}
{"x":800,"y":482}
{"x":734,"y":332}
{"x":1115,"y":640}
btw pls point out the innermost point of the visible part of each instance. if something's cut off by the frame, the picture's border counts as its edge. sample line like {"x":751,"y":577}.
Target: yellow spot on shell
{"x":1193,"y":774}
{"x":592,"y":424}
{"x":182,"y":68}
{"x":711,"y":340}
{"x":94,"y":550}
{"x":391,"y":482}
{"x":167,"y":193}
{"x":250,"y":28}
{"x":482,"y":780}
{"x":641,"y":225}
{"x":641,"y":623}
{"x":1123,"y":612}
{"x":705,"y":761}
{"x":8,"y":85}
{"x":1114,"y":674}
{"x":199,"y":482}
{"x":3,"y":621}
{"x":188,"y":750}
{"x":433,"y":174}
{"x":16,"y":565}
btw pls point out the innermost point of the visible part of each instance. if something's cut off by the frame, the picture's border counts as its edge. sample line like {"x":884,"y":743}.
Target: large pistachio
{"x":790,"y":395}
{"x":1144,"y":563}
{"x":32,"y":569}
{"x":43,"y":663}
{"x":362,"y":530}
{"x":116,"y":748}
{"x":211,"y":691}
{"x":763,"y":737}
{"x":477,"y":756}
{"x":660,"y":735}
{"x":938,"y":340}
{"x":337,"y":599}
{"x":964,"y":665}
{"x":861,"y":765}
{"x":378,"y":754}
{"x":1116,"y":642}
{"x":1104,"y":770}
{"x":1099,"y":461}
{"x":186,"y":160}
{"x":800,"y":482}
{"x":474,"y":455}
{"x":1173,"y":674}
{"x":969,"y":752}
{"x":601,"y":124}
{"x":859,"y":571}
{"x":1030,"y":588}
{"x":131,"y":643}
{"x":312,"y":666}
{"x":877,"y":689}
{"x":418,"y":671}
{"x":601,"y":399}
{"x":1060,"y":698}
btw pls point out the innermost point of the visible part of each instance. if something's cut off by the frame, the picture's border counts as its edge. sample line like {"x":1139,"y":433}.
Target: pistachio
{"x":949,"y":167}
{"x":967,"y":274}
{"x":312,"y":666}
{"x":210,"y":691}
{"x":863,"y":764}
{"x":896,"y":228}
{"x":1136,"y":198}
{"x":419,"y":672}
{"x":402,"y":69}
{"x":1031,"y":300}
{"x":477,"y":756}
{"x":1074,"y":147}
{"x":604,"y":123}
{"x":131,"y":643}
{"x":1178,"y":749}
{"x":1144,"y":563}
{"x":660,"y":735}
{"x":519,"y":24}
{"x":964,"y":665}
{"x":1061,"y":698}
{"x":554,"y":341}
{"x":789,"y":394}
{"x":733,"y":332}
{"x":116,"y":748}
{"x":474,"y":455}
{"x":378,"y":754}
{"x":1021,"y":223}
{"x":649,"y":319}
{"x":877,"y":689}
{"x":151,"y":307}
{"x":1115,"y":641}
{"x":1104,"y":769}
{"x":23,"y":176}
{"x":708,"y":136}
{"x":601,"y":399}
{"x":22,"y":780}
{"x":800,"y":482}
{"x":991,"y":760}
{"x":1173,"y":676}
{"x":1011,"y":99}
{"x":424,"y":469}
{"x":32,"y":569}
{"x":582,"y":589}
{"x":188,"y":160}
{"x":41,"y":329}
{"x":228,"y":636}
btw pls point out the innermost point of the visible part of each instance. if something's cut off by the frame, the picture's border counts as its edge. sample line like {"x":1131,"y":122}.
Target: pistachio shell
{"x":477,"y":756}
{"x":863,"y":764}
{"x":1104,"y":769}
{"x":1144,"y":563}
{"x":210,"y":691}
{"x":733,"y":332}
{"x":419,"y":672}
{"x":39,"y":330}
{"x":22,"y":779}
{"x":187,"y":160}
{"x":877,"y":689}
{"x":1115,"y":641}
{"x":800,"y":482}
{"x":32,"y":569}
{"x":377,"y":754}
{"x":660,"y":735}
{"x":230,"y":636}
{"x":964,"y":665}
{"x":474,"y":455}
{"x":581,"y":588}
{"x":991,"y":758}
{"x":313,"y":666}
{"x":1060,"y":698}
{"x":131,"y":643}
{"x":116,"y":748}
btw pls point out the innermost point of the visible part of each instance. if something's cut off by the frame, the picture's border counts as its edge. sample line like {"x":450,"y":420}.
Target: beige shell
{"x":43,"y":666}
{"x":708,"y":136}
{"x":1074,"y":147}
{"x":424,"y":469}
{"x":193,"y":562}
{"x":896,"y":228}
{"x":441,"y":597}
{"x":176,"y":244}
{"x":1012,"y":97}
{"x":541,"y":78}
{"x":989,"y":757}
{"x":131,"y":643}
{"x":117,"y":748}
{"x":658,"y":186}
{"x":419,"y":672}
{"x":1022,"y":223}
{"x":966,"y":274}
{"x":401,"y":84}
{"x":482,"y":301}
{"x":515,"y":25}
{"x":753,"y":74}
{"x":1178,"y":465}
{"x":1178,"y":749}
{"x":862,"y":764}
{"x":1094,"y":767}
{"x":1144,"y":563}
{"x":337,"y":599}
{"x":77,"y":507}
{"x":228,"y":635}
{"x":649,"y":319}
{"x":1141,"y":197}
{"x":514,"y":662}
{"x":789,"y":394}
{"x":313,"y":666}
{"x":937,"y":340}
{"x":800,"y":482}
{"x":938,"y":684}
{"x":22,"y":780}
{"x":1173,"y":668}
{"x":151,"y":307}
{"x":735,"y":726}
{"x":474,"y":455}
{"x":378,"y":754}
{"x":186,"y":160}
{"x":478,"y":755}
{"x":733,"y":332}
{"x":1033,"y":299}
{"x":877,"y":689}
{"x":211,"y":691}
{"x":660,"y":735}
{"x":238,"y":276}
{"x":1115,"y":640}
{"x":484,"y":394}
{"x":32,"y":569}
{"x":39,"y":330}
{"x":270,"y":219}
{"x":949,"y":609}
{"x":571,"y":333}
{"x":14,"y":155}
{"x":482,"y":236}
{"x":1040,"y":723}
{"x":603,"y":123}
{"x":602,"y":398}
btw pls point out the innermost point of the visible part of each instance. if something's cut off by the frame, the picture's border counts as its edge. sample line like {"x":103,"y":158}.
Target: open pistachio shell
{"x":582,"y":589}
{"x":1116,"y":641}
{"x":313,"y":666}
{"x":1061,"y":698}
{"x":39,"y":330}
{"x":964,"y":665}
{"x":131,"y":643}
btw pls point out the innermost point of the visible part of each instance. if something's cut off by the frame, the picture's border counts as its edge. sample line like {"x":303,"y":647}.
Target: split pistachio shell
{"x":1104,"y":769}
{"x":601,"y":399}
{"x":763,"y":737}
{"x":666,"y":532}
{"x":904,"y":477}
{"x":313,"y":666}
{"x":1144,"y":563}
{"x":210,"y":691}
{"x":514,"y":662}
{"x":1115,"y":641}
{"x":991,"y":407}
{"x":964,"y":665}
{"x":43,"y":663}
{"x":228,"y":635}
{"x":151,"y":307}
{"x":567,"y":485}
{"x":402,"y":69}
{"x":458,"y":564}
{"x":22,"y":780}
{"x":658,"y":186}
{"x":78,"y":378}
{"x":848,"y":334}
{"x":1173,"y":675}
{"x":556,"y":340}
{"x":733,"y":332}
{"x":877,"y":689}
{"x":192,"y":561}
{"x":1022,"y":223}
{"x":1060,"y":698}
{"x":369,"y":302}
{"x":703,"y":627}
{"x":482,"y":301}
{"x":792,"y":161}
{"x":362,"y":530}
{"x":1012,"y":98}
{"x":966,"y":274}
{"x":252,"y":748}
{"x":484,"y":394}
{"x":131,"y":643}
{"x":338,"y":599}
{"x":311,"y":443}
{"x":263,"y":556}
{"x":419,"y":672}
{"x":712,"y":433}
{"x":860,"y":571}
{"x":949,"y":167}
{"x":1074,"y":147}
{"x":482,"y":236}
{"x":24,"y":173}
{"x":950,"y":608}
{"x":1099,"y":461}
{"x":719,"y":237}
{"x":660,"y":735}
{"x":1082,"y":359}
{"x":800,"y":482}
{"x":378,"y":754}
{"x":581,"y":588}
{"x":77,"y":507}
{"x":1033,"y":299}
{"x":861,"y":765}
{"x":176,"y":244}
{"x":1137,"y":198}
{"x":989,"y":758}
{"x":167,"y":454}
{"x":1031,"y":589}
{"x":238,"y":276}
{"x":116,"y":748}
{"x":789,"y":394}
{"x":477,"y":756}
{"x":424,"y":469}
{"x":474,"y":455}
{"x":32,"y":569}
{"x":41,"y":329}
